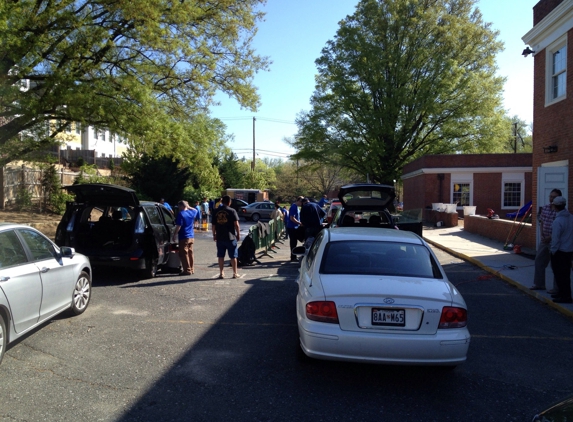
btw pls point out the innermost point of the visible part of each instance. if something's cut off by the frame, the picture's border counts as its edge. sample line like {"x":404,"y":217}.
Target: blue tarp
{"x":520,"y":212}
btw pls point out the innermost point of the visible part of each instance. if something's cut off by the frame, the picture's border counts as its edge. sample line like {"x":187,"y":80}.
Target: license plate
{"x":394,"y":317}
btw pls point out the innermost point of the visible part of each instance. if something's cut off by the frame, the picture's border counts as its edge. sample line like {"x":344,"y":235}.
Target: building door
{"x":549,"y":178}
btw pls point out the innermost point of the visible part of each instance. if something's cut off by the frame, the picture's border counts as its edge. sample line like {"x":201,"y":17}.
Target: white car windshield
{"x":378,"y":258}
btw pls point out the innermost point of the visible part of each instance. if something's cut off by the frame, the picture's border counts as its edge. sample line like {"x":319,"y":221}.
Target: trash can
{"x":469,"y":210}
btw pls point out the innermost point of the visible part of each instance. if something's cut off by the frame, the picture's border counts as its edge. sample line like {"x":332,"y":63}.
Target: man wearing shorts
{"x":184,"y":232}
{"x":227,"y":233}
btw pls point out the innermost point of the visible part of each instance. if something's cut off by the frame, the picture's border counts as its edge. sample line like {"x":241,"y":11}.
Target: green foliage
{"x":58,"y":202}
{"x":230,"y":171}
{"x":261,"y":178}
{"x":156,"y":178}
{"x":23,"y":198}
{"x":89,"y":174}
{"x":135,"y":67}
{"x":402,"y":79}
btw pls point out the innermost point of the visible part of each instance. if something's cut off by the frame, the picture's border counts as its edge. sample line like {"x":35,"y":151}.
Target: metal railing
{"x":267,"y":238}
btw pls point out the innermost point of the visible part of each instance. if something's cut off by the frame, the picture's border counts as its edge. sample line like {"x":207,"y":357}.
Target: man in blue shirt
{"x":562,"y":250}
{"x":323,"y":201}
{"x":166,"y":205}
{"x":184,"y":232}
{"x":292,"y":225}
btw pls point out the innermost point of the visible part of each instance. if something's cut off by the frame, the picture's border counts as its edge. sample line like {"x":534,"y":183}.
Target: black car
{"x":370,"y":205}
{"x":113,"y":228}
{"x":237,"y":204}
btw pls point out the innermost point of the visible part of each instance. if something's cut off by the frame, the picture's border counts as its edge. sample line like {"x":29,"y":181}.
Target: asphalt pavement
{"x":490,"y":255}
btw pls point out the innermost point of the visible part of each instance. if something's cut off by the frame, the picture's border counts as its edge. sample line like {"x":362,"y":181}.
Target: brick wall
{"x":552,"y":124}
{"x":423,"y":190}
{"x":500,"y":230}
{"x":543,"y":8}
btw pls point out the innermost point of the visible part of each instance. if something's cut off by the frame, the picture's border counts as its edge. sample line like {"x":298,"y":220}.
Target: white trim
{"x":462,"y":178}
{"x":513,"y":178}
{"x":551,"y":27}
{"x":561,"y":163}
{"x":550,"y":51}
{"x":471,"y":170}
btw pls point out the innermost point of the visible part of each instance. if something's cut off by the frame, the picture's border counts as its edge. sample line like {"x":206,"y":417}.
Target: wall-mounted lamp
{"x":527,"y":52}
{"x":550,"y":149}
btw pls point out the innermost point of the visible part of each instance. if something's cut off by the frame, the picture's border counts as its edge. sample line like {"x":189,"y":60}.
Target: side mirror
{"x":299,"y":251}
{"x":67,"y":252}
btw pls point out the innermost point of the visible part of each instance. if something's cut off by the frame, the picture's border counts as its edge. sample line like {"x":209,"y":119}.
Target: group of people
{"x":556,"y":247}
{"x":304,"y":214}
{"x":225,"y":227}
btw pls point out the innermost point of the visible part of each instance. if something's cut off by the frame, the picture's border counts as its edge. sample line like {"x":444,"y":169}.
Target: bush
{"x":23,"y":198}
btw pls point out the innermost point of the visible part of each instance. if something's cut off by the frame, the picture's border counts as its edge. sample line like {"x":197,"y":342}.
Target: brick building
{"x":499,"y":181}
{"x":550,"y":42}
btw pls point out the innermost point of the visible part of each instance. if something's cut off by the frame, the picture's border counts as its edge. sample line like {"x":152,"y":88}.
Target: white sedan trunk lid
{"x":387,"y":303}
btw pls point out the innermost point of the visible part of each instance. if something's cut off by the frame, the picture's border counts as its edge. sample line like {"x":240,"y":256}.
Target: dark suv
{"x":113,"y":228}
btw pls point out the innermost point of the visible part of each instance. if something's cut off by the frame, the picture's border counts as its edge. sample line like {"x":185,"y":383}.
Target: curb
{"x":505,"y":278}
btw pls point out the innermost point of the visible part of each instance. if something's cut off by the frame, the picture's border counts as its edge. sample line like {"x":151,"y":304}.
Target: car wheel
{"x":3,"y":337}
{"x":151,"y":268}
{"x":255,"y":217}
{"x":82,"y":294}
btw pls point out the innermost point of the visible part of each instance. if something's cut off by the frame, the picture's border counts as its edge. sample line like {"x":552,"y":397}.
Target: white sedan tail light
{"x":453,"y":317}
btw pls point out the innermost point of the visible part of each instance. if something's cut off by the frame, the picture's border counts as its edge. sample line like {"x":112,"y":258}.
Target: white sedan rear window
{"x":378,"y":258}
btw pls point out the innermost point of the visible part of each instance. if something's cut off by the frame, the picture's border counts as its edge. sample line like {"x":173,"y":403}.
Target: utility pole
{"x":515,"y":136}
{"x":253,"y":163}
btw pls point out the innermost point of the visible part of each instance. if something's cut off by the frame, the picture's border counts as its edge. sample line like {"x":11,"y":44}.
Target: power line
{"x":266,"y":119}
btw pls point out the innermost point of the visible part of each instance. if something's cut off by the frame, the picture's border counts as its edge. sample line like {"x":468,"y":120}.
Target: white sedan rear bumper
{"x":328,"y":341}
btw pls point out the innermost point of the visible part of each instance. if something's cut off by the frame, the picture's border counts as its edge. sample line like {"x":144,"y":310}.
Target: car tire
{"x":255,"y":217}
{"x":3,"y":337}
{"x":82,"y":294}
{"x":151,"y":268}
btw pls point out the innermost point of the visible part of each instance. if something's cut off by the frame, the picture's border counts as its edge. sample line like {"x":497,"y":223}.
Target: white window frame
{"x":513,"y":178}
{"x":550,"y":51}
{"x":462,"y":178}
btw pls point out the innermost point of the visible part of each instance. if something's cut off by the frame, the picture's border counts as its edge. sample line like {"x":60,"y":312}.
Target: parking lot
{"x":199,"y":348}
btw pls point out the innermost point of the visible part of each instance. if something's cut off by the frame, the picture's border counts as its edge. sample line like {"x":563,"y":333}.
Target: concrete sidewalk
{"x":488,"y":254}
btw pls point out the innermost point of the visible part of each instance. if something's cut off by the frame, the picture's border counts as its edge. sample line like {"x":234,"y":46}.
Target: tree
{"x":158,"y":178}
{"x":136,"y":67}
{"x":402,"y":79}
{"x":230,"y":171}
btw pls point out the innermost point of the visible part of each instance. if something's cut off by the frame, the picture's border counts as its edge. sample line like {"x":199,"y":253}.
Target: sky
{"x":293,"y":35}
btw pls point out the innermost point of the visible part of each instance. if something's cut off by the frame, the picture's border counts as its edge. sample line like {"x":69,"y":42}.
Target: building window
{"x":512,"y":195}
{"x":559,"y":73}
{"x":556,"y":71}
{"x":461,"y":194}
{"x":78,"y":128}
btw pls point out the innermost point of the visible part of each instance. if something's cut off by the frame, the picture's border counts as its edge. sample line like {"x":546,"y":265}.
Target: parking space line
{"x":246,"y":324}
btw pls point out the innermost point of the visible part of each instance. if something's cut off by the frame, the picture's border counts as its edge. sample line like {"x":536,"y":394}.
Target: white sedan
{"x":378,"y":296}
{"x":37,"y":281}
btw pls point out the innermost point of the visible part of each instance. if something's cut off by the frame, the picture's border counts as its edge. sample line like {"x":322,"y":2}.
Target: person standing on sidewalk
{"x":227,"y":233}
{"x":543,"y":256}
{"x":184,"y":223}
{"x":292,"y":225}
{"x":562,"y":251}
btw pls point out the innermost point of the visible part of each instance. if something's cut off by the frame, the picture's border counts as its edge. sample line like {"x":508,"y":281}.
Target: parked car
{"x":237,"y":204}
{"x":378,"y":296}
{"x":37,"y":281}
{"x":257,"y":210}
{"x":370,"y":205}
{"x":113,"y":228}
